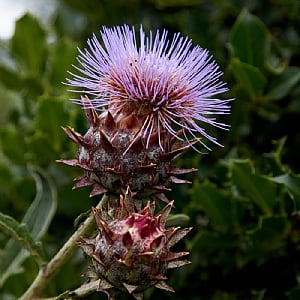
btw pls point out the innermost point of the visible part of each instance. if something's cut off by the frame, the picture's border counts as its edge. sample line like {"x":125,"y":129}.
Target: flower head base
{"x":109,"y":167}
{"x":168,"y":84}
{"x":132,"y":251}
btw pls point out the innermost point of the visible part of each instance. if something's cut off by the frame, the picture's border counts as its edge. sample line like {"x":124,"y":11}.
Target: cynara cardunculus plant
{"x":153,"y":95}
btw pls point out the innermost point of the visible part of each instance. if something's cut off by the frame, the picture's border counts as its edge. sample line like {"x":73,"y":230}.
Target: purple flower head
{"x":168,"y":83}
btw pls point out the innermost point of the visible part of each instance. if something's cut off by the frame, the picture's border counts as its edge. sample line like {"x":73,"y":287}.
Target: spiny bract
{"x":113,"y":159}
{"x":132,"y":251}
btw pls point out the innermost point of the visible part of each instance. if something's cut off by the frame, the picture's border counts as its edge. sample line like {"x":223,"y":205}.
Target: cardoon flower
{"x":167,"y":84}
{"x":152,"y":94}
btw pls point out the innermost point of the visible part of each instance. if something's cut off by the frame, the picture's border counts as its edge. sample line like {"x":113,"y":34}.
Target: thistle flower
{"x":131,"y":252}
{"x":152,"y":94}
{"x":167,"y":84}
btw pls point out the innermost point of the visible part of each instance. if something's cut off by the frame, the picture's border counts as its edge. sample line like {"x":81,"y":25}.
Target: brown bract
{"x":132,"y":252}
{"x":114,"y":156}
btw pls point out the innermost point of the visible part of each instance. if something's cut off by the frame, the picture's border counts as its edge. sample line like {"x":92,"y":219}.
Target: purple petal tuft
{"x":170,"y":84}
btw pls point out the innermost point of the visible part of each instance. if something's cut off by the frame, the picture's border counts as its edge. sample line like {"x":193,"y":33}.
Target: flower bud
{"x":132,"y":252}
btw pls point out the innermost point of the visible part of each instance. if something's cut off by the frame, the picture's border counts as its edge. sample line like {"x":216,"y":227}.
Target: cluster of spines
{"x":98,"y":137}
{"x":165,"y":238}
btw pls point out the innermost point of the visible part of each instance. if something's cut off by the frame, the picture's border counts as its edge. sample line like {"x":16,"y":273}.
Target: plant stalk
{"x":63,"y":255}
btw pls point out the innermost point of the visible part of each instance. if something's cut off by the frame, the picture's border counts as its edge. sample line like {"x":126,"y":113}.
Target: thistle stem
{"x":54,"y":265}
{"x":82,"y":291}
{"x":85,"y":289}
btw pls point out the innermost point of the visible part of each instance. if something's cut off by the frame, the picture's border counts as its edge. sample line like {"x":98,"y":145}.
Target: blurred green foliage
{"x":245,"y":199}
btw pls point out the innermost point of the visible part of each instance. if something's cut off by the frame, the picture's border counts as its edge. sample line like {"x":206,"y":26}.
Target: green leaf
{"x":274,"y":157}
{"x":268,"y":228}
{"x":284,"y":83}
{"x":20,"y":232}
{"x":218,"y":207}
{"x":40,"y":149}
{"x":37,"y":219}
{"x":207,"y":242}
{"x":292,"y":182}
{"x":253,"y":186}
{"x":10,"y":104}
{"x":29,"y":45}
{"x":50,"y":116}
{"x":163,"y":4}
{"x":12,"y":144}
{"x":177,"y":220}
{"x":10,"y":79}
{"x":61,"y":58}
{"x":40,"y":213}
{"x":249,"y":77}
{"x":249,"y":39}
{"x":268,"y":238}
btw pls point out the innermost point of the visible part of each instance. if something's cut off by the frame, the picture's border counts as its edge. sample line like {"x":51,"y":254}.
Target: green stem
{"x":46,"y":273}
{"x":85,"y":289}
